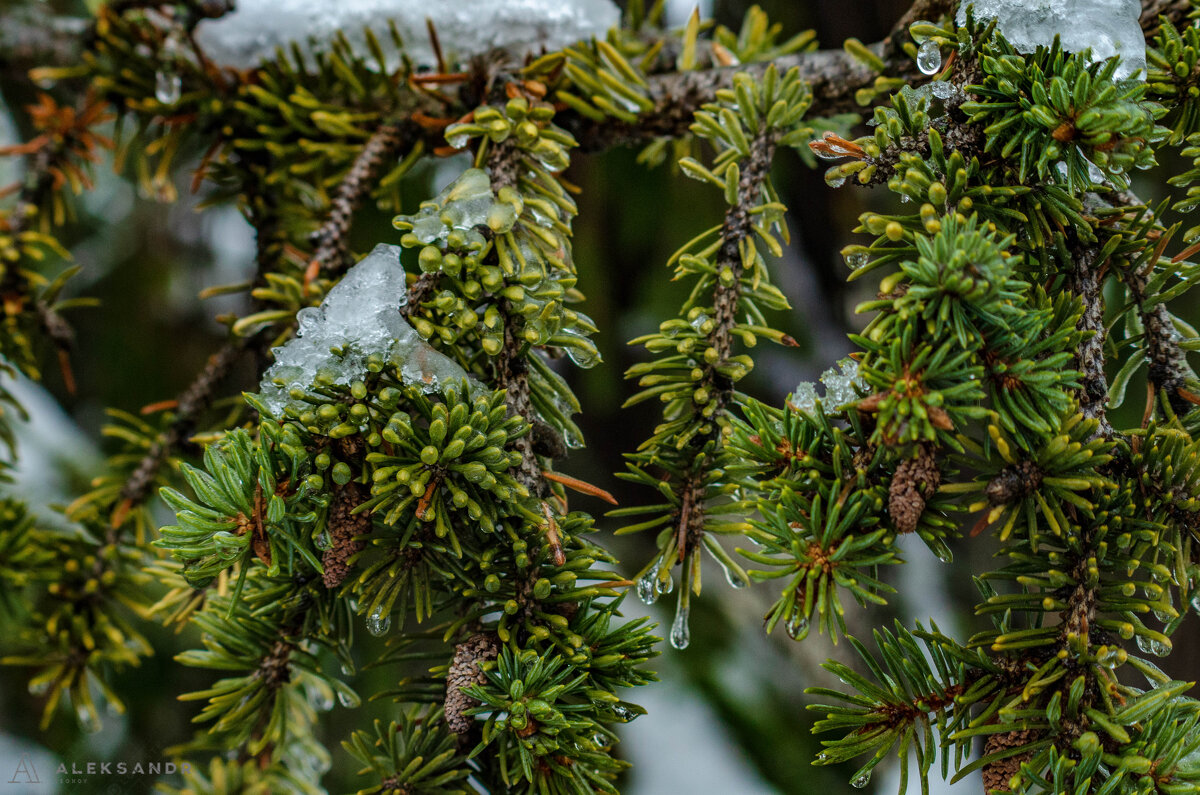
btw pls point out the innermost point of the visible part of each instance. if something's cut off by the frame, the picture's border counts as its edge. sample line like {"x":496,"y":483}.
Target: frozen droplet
{"x":797,"y":626}
{"x":647,"y":590}
{"x":681,"y":636}
{"x":860,"y":782}
{"x":929,"y":57}
{"x":167,"y":87}
{"x":379,"y":622}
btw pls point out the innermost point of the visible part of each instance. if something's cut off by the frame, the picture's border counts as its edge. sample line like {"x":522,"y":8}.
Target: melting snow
{"x":1108,"y":27}
{"x":251,"y":33}
{"x":359,"y":318}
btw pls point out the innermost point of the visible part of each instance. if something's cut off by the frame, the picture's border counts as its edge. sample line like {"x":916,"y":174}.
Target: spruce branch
{"x":1087,"y":282}
{"x":331,"y":253}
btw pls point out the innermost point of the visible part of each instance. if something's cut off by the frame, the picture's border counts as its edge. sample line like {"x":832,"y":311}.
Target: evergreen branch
{"x":331,"y":254}
{"x":1087,"y":282}
{"x":1168,"y":365}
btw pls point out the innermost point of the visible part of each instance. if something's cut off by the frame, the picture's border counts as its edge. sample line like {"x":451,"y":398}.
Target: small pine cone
{"x":345,"y":532}
{"x":997,"y":775}
{"x":465,"y":671}
{"x":1013,"y":482}
{"x":915,"y":481}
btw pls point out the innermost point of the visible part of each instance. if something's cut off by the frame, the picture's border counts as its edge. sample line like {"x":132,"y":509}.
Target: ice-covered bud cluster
{"x":842,"y":385}
{"x":464,"y":204}
{"x":251,"y":33}
{"x":1106,"y":27}
{"x":359,"y":319}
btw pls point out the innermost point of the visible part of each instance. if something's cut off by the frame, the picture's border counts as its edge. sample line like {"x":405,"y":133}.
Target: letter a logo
{"x":26,"y":770}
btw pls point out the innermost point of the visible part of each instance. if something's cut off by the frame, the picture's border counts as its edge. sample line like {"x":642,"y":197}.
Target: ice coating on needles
{"x":1107,"y":27}
{"x":840,"y":388}
{"x":251,"y":32}
{"x":359,"y":318}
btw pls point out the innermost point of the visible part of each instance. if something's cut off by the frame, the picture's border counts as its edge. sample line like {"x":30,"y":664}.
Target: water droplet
{"x":1094,"y":172}
{"x":929,"y":61}
{"x":585,"y":357}
{"x":1110,"y":657}
{"x":39,"y":688}
{"x":1152,"y":646}
{"x":835,"y":182}
{"x":347,"y":669}
{"x":856,"y":260}
{"x":321,"y":700}
{"x":348,"y":698}
{"x":1194,"y":600}
{"x":623,"y":712}
{"x":379,"y":622}
{"x":944,"y":554}
{"x":862,"y":781}
{"x":822,"y":757}
{"x":681,"y":636}
{"x":666,"y":583}
{"x":167,"y":87}
{"x":458,"y":141}
{"x":647,"y":591}
{"x":698,"y":322}
{"x":1163,"y":616}
{"x":322,"y":541}
{"x":797,"y":626}
{"x":732,"y":576}
{"x":89,"y":721}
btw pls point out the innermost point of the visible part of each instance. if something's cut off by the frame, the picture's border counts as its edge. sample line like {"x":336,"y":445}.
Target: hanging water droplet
{"x":39,"y":688}
{"x":698,"y":322}
{"x":647,"y":590}
{"x":458,"y":141}
{"x":835,"y":182}
{"x":1163,"y":616}
{"x":929,"y":58}
{"x":1152,"y":646}
{"x":856,"y":260}
{"x":321,"y":700}
{"x":167,"y":87}
{"x":734,"y":579}
{"x":322,"y":541}
{"x":1194,"y":600}
{"x":1094,"y":172}
{"x":88,"y":720}
{"x":943,"y":553}
{"x":1109,"y":658}
{"x":681,"y":636}
{"x":348,"y":698}
{"x":822,"y":757}
{"x":379,"y":622}
{"x":623,"y":712}
{"x":584,"y":357}
{"x":797,"y":626}
{"x":862,"y":781}
{"x":347,"y":669}
{"x":666,"y":583}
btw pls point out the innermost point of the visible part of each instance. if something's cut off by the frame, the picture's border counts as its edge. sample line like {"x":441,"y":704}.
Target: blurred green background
{"x":729,"y":715}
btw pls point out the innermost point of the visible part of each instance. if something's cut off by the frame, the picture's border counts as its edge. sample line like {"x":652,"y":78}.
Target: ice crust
{"x":1108,"y":27}
{"x":839,"y":388}
{"x":359,"y":318}
{"x":251,"y":33}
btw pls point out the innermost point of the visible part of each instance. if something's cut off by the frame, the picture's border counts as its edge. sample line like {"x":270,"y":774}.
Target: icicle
{"x":681,"y":636}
